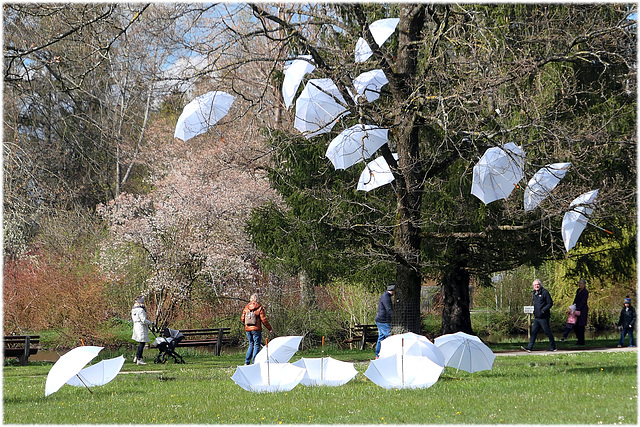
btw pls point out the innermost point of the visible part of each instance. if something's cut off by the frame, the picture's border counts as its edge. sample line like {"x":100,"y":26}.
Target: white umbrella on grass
{"x":268,"y":377}
{"x":398,"y":371}
{"x":278,"y":350}
{"x":326,"y":371}
{"x":69,"y":366}
{"x":466,"y":352}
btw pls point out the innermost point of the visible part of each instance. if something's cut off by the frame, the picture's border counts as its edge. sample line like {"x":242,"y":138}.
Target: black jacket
{"x":627,"y":317}
{"x":542,"y":304}
{"x":385,"y":308}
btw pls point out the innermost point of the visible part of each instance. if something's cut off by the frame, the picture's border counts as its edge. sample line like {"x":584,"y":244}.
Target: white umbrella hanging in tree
{"x":370,"y":84}
{"x":318,"y":107}
{"x":542,"y":184}
{"x":202,"y":113}
{"x":576,"y":219}
{"x":380,"y":30}
{"x":293,"y":75}
{"x":355,"y":144}
{"x":498,"y":172}
{"x":376,"y":174}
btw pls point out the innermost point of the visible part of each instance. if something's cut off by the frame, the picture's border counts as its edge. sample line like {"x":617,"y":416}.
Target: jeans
{"x":544,"y":324}
{"x":255,"y":338}
{"x":384,"y":330}
{"x":626,"y":331}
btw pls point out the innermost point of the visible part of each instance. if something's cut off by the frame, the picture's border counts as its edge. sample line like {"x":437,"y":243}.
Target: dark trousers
{"x":140,"y":348}
{"x":580,"y":333}
{"x":626,"y":331}
{"x":544,"y":324}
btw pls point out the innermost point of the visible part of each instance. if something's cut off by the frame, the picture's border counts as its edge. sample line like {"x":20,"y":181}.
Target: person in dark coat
{"x":627,"y":322}
{"x":582,"y":310}
{"x":384,"y":315}
{"x":542,"y":304}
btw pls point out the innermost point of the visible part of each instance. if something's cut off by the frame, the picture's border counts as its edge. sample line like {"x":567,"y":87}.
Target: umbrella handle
{"x":83,"y":383}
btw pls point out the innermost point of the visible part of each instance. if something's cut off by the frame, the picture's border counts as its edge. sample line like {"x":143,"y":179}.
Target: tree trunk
{"x":455,"y":313}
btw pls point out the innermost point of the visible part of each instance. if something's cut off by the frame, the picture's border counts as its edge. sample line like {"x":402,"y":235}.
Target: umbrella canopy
{"x":202,"y":113}
{"x":542,"y":183}
{"x":497,"y":173}
{"x":99,"y":374}
{"x":326,"y":371}
{"x":279,"y":350}
{"x":369,"y":84}
{"x":411,"y":344}
{"x":375,"y":174}
{"x":268,"y":377}
{"x":380,"y":30}
{"x":399,"y":372}
{"x":68,"y":365}
{"x":355,"y":144}
{"x":576,"y":219}
{"x":318,"y":107}
{"x":466,"y":352}
{"x":293,"y":75}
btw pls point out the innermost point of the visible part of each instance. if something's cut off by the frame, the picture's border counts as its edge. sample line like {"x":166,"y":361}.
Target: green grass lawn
{"x":558,"y":388}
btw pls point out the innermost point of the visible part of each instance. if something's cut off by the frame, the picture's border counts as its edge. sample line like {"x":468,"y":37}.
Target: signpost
{"x":528,"y":309}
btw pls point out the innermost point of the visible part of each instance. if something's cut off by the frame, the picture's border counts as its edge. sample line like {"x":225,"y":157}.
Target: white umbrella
{"x":369,"y":84}
{"x":326,"y":371}
{"x":380,"y":30}
{"x":202,"y":113}
{"x":542,"y":183}
{"x":411,"y":344}
{"x":318,"y":107}
{"x":498,"y":172}
{"x":375,"y":174}
{"x":466,"y":352}
{"x":68,"y":365}
{"x":293,"y":75}
{"x":400,"y":372}
{"x":576,"y":219}
{"x":278,"y":350}
{"x":99,"y":374}
{"x":268,"y":377}
{"x":354,"y":144}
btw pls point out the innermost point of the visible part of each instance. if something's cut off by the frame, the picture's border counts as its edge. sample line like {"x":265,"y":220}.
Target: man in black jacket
{"x":542,"y":304}
{"x":384,"y":316}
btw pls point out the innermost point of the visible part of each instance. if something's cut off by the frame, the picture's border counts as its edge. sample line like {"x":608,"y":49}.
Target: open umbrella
{"x":375,"y":174}
{"x":411,"y":344}
{"x":369,"y":84}
{"x":354,"y":144}
{"x":380,"y":30}
{"x":293,"y":75}
{"x":542,"y":183}
{"x":398,"y":371}
{"x":268,"y":377}
{"x":99,"y":374}
{"x":318,"y":107}
{"x":466,"y":352}
{"x":278,"y":350}
{"x":202,"y":113}
{"x":68,"y":366}
{"x":326,"y":371}
{"x":576,"y":219}
{"x":498,"y":172}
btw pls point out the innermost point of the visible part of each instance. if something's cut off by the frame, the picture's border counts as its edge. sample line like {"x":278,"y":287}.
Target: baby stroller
{"x":166,"y":344}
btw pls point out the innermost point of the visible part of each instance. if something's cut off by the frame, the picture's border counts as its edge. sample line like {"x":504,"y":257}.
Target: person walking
{"x":582,"y":310}
{"x":253,"y":317}
{"x":384,"y":316}
{"x":627,"y":321}
{"x":542,"y":303}
{"x":140,"y":328}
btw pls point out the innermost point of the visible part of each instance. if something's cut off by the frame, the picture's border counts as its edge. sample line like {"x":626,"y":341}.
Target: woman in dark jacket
{"x":582,"y":310}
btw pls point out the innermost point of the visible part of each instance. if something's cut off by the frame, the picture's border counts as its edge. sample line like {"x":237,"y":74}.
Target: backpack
{"x":250,"y":318}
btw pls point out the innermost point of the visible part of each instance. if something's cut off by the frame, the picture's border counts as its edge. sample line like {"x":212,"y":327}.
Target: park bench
{"x":362,"y":334}
{"x":208,"y":337}
{"x":21,"y":346}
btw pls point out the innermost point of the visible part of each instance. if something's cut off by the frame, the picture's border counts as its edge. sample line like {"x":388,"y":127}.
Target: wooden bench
{"x":21,"y":346}
{"x":362,"y":334}
{"x":205,"y":338}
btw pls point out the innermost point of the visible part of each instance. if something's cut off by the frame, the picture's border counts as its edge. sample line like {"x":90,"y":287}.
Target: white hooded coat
{"x":140,"y":324}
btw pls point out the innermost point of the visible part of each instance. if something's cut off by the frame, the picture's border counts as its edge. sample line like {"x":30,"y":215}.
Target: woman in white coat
{"x":140,"y":328}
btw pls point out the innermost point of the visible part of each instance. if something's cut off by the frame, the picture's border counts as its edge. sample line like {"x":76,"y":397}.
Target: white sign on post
{"x":528,"y":309}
